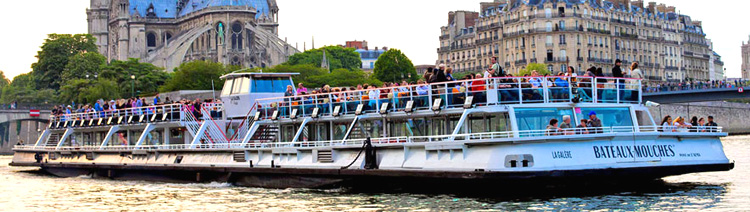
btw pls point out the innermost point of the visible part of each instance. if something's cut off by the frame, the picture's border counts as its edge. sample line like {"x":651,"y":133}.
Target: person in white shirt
{"x":666,"y":124}
{"x":635,"y":71}
{"x":374,"y":95}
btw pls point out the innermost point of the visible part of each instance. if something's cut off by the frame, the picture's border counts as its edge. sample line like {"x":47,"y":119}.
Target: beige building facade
{"x":561,"y":33}
{"x":170,"y":32}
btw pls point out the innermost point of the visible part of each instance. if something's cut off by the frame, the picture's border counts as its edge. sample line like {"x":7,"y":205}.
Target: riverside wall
{"x":734,"y":117}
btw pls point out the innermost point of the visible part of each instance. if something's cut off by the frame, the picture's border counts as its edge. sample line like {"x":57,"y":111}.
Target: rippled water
{"x":21,"y":190}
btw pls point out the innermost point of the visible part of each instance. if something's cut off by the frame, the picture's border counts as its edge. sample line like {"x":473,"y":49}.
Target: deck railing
{"x":158,"y":113}
{"x":488,"y":91}
{"x":470,"y":137}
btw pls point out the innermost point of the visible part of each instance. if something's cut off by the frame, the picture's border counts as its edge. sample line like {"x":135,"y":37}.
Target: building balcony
{"x":520,"y":62}
{"x":556,"y":59}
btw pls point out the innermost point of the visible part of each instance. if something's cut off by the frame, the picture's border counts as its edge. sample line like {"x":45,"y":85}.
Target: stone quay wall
{"x":734,"y":117}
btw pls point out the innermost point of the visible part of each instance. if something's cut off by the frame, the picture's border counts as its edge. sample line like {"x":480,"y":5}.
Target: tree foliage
{"x":540,"y":68}
{"x":315,"y":77}
{"x":148,"y":78}
{"x":197,"y":75}
{"x":394,"y":66}
{"x":89,"y":90}
{"x":82,"y":65}
{"x":56,"y":51}
{"x":23,"y":90}
{"x":338,"y":57}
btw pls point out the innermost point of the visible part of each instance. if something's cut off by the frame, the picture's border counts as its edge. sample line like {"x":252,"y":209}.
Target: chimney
{"x":652,"y":6}
{"x":638,"y":3}
{"x":662,"y":8}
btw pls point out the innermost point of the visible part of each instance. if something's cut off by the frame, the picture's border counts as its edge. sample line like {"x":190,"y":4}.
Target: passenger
{"x":478,"y":87}
{"x":701,"y":127}
{"x":301,"y":89}
{"x":711,"y":126}
{"x":594,"y":123}
{"x":680,"y":125}
{"x":666,"y":124}
{"x":552,"y":128}
{"x":694,"y":124}
{"x":581,"y":128}
{"x":374,"y":95}
{"x":565,"y":126}
{"x":428,"y":74}
{"x":289,"y":91}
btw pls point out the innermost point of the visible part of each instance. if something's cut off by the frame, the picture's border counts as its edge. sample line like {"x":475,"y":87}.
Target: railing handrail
{"x":547,"y":134}
{"x":126,"y":110}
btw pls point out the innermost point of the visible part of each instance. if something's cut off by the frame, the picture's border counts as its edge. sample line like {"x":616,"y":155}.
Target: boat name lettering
{"x":636,"y":151}
{"x":561,"y":155}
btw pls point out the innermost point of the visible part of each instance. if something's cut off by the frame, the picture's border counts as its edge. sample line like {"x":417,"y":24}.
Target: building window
{"x":151,"y":39}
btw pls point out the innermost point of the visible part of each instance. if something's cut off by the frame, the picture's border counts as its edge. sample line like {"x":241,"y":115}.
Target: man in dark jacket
{"x":617,"y":73}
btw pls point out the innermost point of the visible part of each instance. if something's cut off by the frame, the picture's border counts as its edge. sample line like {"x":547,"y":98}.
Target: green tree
{"x":343,"y":77}
{"x":394,"y":66}
{"x":338,"y":57}
{"x":23,"y":90}
{"x":55,"y":54}
{"x":307,"y":73}
{"x":85,"y":91}
{"x":540,"y":68}
{"x":81,"y":65}
{"x":148,"y":78}
{"x":197,"y":75}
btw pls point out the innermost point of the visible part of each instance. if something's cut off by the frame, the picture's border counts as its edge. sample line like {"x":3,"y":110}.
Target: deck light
{"x":100,"y":121}
{"x":109,"y":120}
{"x":119,"y":120}
{"x":130,"y":119}
{"x":314,"y":113}
{"x":468,"y":102}
{"x":359,"y":109}
{"x":409,"y":106}
{"x":275,"y":115}
{"x":257,"y":116}
{"x":293,"y":114}
{"x":91,"y":122}
{"x":384,"y":108}
{"x":436,"y":104}
{"x":336,"y":110}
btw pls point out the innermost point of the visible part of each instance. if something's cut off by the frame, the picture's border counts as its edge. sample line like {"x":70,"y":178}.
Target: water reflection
{"x":32,"y":191}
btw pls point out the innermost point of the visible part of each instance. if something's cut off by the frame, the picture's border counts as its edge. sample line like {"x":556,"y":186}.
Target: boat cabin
{"x":241,"y":90}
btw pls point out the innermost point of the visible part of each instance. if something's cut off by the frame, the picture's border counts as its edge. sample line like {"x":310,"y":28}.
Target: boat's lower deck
{"x":580,"y":157}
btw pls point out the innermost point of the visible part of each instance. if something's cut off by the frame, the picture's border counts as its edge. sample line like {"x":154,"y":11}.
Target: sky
{"x":412,"y":26}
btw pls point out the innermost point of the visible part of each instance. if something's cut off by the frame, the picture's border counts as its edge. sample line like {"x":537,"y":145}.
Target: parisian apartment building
{"x":668,"y":46}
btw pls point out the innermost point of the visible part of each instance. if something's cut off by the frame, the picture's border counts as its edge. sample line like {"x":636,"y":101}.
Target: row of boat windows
{"x":539,"y":118}
{"x":418,"y":126}
{"x":526,"y":118}
{"x":244,"y":85}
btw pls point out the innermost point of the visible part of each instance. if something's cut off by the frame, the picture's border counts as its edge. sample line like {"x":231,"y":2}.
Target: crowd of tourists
{"x":695,"y":124}
{"x":140,"y":104}
{"x":693,"y":85}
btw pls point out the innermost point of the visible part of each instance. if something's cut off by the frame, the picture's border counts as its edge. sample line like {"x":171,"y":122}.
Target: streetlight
{"x":132,"y":86}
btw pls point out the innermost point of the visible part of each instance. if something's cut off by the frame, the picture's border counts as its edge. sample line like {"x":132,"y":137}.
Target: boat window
{"x":372,"y":127}
{"x":538,"y":118}
{"x":237,"y":87}
{"x":480,"y":123}
{"x":339,"y":130}
{"x":643,"y":117}
{"x":315,"y":132}
{"x":270,"y":85}
{"x":610,"y":117}
{"x":408,"y":127}
{"x":436,"y":126}
{"x":227,"y":87}
{"x":288,"y":132}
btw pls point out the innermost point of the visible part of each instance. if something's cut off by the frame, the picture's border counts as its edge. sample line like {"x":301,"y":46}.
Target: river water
{"x":23,"y":190}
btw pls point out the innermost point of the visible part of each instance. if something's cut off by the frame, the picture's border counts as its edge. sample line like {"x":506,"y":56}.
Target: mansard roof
{"x":171,"y":8}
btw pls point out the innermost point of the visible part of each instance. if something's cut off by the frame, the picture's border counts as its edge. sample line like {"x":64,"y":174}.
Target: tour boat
{"x":484,"y":131}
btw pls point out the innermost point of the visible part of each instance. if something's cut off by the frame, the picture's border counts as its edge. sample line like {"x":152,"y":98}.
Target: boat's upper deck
{"x":454,"y":94}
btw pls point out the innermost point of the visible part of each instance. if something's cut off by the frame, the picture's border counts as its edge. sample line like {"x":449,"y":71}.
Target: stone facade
{"x":746,"y":60}
{"x":561,"y":33}
{"x":169,"y":32}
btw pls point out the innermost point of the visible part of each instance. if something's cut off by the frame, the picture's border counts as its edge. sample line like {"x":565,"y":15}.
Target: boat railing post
{"x":545,"y":89}
{"x":595,"y":87}
{"x":520,"y":91}
{"x":618,"y":89}
{"x":640,"y":92}
{"x":429,"y":96}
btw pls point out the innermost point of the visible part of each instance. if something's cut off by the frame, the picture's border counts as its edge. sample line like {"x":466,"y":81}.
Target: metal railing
{"x":168,"y":112}
{"x":488,"y":91}
{"x":462,"y":138}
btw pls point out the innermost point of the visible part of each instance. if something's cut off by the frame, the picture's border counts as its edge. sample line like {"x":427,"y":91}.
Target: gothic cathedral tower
{"x":98,"y":18}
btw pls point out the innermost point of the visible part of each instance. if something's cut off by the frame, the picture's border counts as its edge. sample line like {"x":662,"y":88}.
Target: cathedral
{"x":167,"y":33}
